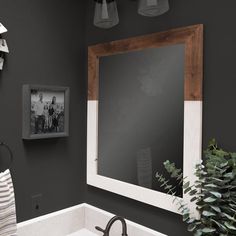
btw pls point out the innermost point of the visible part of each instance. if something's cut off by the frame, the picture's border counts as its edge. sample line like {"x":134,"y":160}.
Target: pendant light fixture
{"x":153,"y":8}
{"x":106,"y":14}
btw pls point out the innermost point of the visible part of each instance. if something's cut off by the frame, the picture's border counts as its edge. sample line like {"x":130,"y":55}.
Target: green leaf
{"x":192,"y":227}
{"x":229,"y":217}
{"x":230,"y":226}
{"x":232,"y":205}
{"x":172,"y":191}
{"x":198,"y":233}
{"x":211,"y":186}
{"x":193,"y":199}
{"x":219,"y":225}
{"x":168,"y":187}
{"x":186,"y":185}
{"x":164,"y":183}
{"x":185,"y":211}
{"x":210,"y":199}
{"x":221,"y":153}
{"x":212,"y":144}
{"x":185,"y":217}
{"x":190,"y":221}
{"x":216,"y":208}
{"x":193,"y":192}
{"x":222,"y":165}
{"x":200,"y":207}
{"x":208,"y":230}
{"x":216,"y":194}
{"x":181,"y":207}
{"x":187,"y":190}
{"x":216,"y":179}
{"x":229,"y":175}
{"x":208,"y":213}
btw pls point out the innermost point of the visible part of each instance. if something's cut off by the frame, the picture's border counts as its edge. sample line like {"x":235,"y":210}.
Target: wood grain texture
{"x":194,"y":66}
{"x":191,"y":36}
{"x":93,"y":75}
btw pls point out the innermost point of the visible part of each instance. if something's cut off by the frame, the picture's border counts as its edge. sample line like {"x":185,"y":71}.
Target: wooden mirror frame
{"x":192,"y":38}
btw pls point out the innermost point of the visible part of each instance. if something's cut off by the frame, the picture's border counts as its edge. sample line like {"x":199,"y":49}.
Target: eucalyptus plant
{"x":214,"y":192}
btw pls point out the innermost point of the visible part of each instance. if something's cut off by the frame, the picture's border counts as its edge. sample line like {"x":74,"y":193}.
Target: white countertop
{"x":79,"y":220}
{"x":83,"y":232}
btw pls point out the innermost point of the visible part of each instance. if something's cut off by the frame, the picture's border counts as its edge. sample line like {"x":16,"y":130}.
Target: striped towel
{"x":7,"y":205}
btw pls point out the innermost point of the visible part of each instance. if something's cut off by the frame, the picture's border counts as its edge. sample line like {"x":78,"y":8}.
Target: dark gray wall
{"x":46,"y":39}
{"x":219,"y":86}
{"x":47,"y":46}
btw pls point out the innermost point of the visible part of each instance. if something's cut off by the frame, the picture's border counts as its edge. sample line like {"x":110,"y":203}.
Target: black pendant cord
{"x":10,"y":152}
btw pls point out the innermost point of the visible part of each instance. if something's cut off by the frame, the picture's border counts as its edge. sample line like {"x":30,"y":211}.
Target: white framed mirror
{"x":145,"y":106}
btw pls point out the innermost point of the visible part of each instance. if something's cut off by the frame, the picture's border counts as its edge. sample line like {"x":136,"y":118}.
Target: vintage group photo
{"x":47,"y":111}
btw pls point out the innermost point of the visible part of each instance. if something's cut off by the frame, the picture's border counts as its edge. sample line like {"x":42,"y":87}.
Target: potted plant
{"x":214,"y":192}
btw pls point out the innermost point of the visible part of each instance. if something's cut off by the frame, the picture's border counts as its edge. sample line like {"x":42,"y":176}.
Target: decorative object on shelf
{"x":214,"y":192}
{"x":45,"y":112}
{"x":106,"y":14}
{"x":3,"y":45}
{"x":153,"y":7}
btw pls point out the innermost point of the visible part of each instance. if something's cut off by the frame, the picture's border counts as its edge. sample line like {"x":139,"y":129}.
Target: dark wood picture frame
{"x":26,"y":105}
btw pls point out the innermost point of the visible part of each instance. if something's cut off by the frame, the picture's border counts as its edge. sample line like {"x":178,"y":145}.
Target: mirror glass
{"x":141,"y":114}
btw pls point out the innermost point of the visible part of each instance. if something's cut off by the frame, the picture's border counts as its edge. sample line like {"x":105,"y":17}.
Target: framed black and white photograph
{"x":45,"y":112}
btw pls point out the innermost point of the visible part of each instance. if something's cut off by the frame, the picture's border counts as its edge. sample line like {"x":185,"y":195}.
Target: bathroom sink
{"x":79,"y":221}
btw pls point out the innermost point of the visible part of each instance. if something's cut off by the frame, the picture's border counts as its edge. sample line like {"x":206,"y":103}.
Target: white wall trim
{"x":192,"y":156}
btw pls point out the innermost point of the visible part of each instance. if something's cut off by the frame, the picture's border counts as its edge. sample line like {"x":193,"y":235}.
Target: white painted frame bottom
{"x":191,"y":156}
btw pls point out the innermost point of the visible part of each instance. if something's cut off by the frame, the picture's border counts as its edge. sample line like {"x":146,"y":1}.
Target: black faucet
{"x":110,"y":223}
